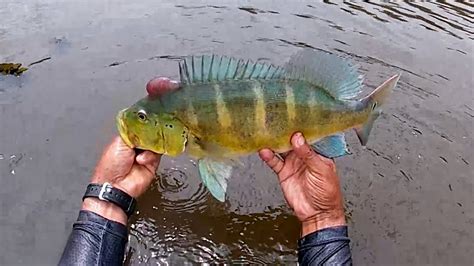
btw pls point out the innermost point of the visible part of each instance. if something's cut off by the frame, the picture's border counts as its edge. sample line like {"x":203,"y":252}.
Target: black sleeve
{"x":95,"y":240}
{"x":329,"y":246}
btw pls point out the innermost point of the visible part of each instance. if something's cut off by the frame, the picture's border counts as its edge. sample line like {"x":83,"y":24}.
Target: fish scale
{"x":240,"y":102}
{"x":226,"y":108}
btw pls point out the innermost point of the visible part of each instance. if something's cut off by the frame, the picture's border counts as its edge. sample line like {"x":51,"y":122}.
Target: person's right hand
{"x":310,"y":185}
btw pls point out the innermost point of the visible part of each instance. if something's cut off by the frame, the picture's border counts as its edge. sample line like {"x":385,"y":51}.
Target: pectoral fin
{"x":214,"y":176}
{"x":332,"y":146}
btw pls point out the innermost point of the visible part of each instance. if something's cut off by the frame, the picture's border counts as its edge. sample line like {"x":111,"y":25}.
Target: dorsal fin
{"x":209,"y":68}
{"x":331,"y":72}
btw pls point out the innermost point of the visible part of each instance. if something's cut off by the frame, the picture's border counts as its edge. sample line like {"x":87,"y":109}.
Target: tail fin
{"x":381,"y":93}
{"x":377,"y":98}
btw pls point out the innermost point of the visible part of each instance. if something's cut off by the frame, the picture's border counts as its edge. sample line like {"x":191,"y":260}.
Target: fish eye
{"x":142,"y":115}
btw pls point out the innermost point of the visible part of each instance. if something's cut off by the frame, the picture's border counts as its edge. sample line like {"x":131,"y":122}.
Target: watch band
{"x":107,"y":192}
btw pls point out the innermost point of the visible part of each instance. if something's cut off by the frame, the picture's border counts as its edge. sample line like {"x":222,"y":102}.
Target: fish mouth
{"x":122,"y":128}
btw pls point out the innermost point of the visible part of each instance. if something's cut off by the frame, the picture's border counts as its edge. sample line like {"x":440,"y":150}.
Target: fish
{"x":226,"y":108}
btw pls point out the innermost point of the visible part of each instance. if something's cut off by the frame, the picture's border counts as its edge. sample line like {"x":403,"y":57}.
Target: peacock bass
{"x":225,"y":108}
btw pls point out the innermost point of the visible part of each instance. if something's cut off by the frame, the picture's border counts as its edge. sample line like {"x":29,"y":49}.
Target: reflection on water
{"x":446,"y":17}
{"x":174,"y":228}
{"x":179,"y":222}
{"x":178,"y":193}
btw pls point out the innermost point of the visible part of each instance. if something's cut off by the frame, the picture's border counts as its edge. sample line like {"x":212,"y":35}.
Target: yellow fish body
{"x":226,"y":108}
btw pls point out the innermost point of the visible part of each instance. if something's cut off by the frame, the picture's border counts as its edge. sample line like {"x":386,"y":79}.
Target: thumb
{"x":303,"y":150}
{"x":149,"y":159}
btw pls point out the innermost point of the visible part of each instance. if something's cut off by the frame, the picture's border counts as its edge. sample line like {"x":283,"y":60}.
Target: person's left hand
{"x":123,"y":169}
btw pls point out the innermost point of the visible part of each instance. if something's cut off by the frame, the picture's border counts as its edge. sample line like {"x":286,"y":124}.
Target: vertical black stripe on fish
{"x":274,"y":95}
{"x":205,"y":108}
{"x":241,"y":103}
{"x":302,"y":100}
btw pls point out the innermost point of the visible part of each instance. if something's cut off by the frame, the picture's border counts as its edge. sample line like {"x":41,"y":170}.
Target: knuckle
{"x":272,"y":162}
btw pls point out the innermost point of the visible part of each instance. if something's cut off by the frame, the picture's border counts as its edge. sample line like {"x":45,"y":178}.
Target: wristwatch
{"x":107,"y":192}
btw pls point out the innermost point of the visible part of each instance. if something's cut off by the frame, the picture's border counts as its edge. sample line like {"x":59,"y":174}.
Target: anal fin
{"x":332,"y":146}
{"x":215,"y":175}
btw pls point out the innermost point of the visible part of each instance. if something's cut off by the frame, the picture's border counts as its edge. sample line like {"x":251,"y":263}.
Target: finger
{"x":303,"y":150}
{"x":149,"y":159}
{"x":270,"y":158}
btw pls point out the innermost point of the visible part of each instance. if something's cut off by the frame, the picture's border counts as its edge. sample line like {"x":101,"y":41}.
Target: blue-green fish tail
{"x":342,"y":81}
{"x":375,"y":100}
{"x":336,"y":76}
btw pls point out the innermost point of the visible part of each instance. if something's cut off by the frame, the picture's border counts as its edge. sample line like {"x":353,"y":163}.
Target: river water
{"x":409,"y":195}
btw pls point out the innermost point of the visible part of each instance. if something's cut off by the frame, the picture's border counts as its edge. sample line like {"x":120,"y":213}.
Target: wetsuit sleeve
{"x":95,"y":240}
{"x":329,"y":246}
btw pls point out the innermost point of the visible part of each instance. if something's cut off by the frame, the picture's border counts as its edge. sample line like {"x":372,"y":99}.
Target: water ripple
{"x":213,"y":236}
{"x":178,"y":193}
{"x":456,"y":21}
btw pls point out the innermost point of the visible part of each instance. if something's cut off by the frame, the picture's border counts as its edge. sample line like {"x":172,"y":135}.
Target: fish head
{"x":150,"y":129}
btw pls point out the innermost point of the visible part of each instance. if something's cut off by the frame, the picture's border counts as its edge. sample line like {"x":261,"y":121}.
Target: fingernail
{"x":300,"y":140}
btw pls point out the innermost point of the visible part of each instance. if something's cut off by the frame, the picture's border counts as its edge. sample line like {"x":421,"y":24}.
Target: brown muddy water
{"x":409,"y":194}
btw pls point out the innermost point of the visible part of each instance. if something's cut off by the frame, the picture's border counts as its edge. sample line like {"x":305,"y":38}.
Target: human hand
{"x":310,"y":185}
{"x":123,"y":169}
